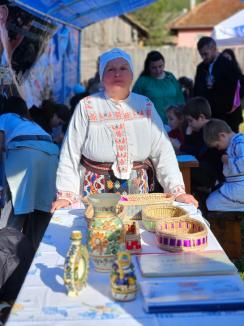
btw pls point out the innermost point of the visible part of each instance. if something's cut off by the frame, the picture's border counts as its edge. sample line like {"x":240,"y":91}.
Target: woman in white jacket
{"x":113,"y":134}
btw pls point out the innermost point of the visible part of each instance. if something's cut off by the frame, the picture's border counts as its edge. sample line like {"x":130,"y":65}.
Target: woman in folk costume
{"x":113,"y":134}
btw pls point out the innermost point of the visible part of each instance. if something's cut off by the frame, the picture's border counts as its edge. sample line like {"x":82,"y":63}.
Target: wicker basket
{"x":154,"y":213}
{"x":131,"y":205}
{"x":183,"y":234}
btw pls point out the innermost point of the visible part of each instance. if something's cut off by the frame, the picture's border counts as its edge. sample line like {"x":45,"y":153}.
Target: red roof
{"x":207,"y":14}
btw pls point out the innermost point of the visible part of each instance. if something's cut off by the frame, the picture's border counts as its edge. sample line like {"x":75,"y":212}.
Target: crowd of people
{"x":112,"y":139}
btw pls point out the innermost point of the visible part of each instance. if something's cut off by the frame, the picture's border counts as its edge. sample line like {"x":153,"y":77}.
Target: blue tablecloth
{"x":43,"y":300}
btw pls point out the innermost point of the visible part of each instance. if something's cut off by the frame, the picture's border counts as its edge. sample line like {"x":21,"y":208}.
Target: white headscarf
{"x":111,"y":55}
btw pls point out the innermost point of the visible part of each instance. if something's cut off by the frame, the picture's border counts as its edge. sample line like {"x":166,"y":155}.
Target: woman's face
{"x":156,"y":68}
{"x":117,"y":75}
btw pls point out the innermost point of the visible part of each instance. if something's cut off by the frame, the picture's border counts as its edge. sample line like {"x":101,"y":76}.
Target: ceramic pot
{"x":105,"y":231}
{"x":122,"y":278}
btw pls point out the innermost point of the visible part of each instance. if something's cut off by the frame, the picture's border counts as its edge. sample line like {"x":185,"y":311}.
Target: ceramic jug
{"x":123,"y":278}
{"x":105,"y":231}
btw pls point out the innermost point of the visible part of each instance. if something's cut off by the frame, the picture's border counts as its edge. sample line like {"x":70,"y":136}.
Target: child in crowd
{"x":53,"y":118}
{"x":203,"y":178}
{"x":186,"y":85}
{"x":59,"y":122}
{"x":229,"y":197}
{"x":177,"y":123}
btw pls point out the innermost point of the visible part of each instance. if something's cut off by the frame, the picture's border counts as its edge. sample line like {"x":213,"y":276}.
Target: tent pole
{"x":63,"y":77}
{"x":79,"y":56}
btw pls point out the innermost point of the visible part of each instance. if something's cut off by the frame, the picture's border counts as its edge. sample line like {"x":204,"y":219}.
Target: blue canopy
{"x":81,"y":13}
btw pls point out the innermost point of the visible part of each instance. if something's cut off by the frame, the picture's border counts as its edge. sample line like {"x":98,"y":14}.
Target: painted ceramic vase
{"x":76,"y":265}
{"x":105,"y":231}
{"x":123,"y":279}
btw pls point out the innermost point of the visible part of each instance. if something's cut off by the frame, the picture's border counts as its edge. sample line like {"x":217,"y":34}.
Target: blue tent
{"x":56,"y":65}
{"x":81,"y":13}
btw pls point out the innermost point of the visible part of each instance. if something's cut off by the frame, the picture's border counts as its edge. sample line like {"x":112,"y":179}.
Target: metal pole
{"x":79,"y":56}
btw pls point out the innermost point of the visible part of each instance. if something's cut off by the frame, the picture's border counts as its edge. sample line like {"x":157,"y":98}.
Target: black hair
{"x":177,"y":110}
{"x":186,"y":82}
{"x":179,"y":113}
{"x":15,"y":104}
{"x":151,"y":56}
{"x":233,"y":59}
{"x":205,"y":40}
{"x":62,"y":111}
{"x":197,"y":106}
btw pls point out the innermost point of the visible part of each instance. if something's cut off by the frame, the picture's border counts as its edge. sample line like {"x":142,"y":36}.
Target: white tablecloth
{"x":43,"y":300}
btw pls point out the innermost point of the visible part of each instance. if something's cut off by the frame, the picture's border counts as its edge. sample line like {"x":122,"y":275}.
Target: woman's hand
{"x":188,"y":199}
{"x":59,"y":203}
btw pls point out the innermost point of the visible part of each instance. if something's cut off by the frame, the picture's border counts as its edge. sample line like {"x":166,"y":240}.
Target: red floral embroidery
{"x":92,"y":117}
{"x":121,"y":145}
{"x":178,"y":190}
{"x":68,"y":195}
{"x":87,"y":103}
{"x":118,"y":129}
{"x":118,"y":115}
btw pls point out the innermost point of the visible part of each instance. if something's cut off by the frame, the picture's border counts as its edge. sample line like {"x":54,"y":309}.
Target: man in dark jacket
{"x":216,"y":80}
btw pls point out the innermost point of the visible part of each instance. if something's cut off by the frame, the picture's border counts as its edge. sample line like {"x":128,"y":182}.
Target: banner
{"x":57,"y":70}
{"x":23,"y":38}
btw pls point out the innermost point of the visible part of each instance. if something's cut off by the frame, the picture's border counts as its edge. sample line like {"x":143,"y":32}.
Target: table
{"x":186,"y":162}
{"x":43,"y":301}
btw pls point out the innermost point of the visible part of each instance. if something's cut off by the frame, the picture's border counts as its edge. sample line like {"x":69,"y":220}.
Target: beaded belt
{"x":106,"y":168}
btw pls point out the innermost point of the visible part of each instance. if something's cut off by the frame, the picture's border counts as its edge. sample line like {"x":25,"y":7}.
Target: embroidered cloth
{"x":120,"y":132}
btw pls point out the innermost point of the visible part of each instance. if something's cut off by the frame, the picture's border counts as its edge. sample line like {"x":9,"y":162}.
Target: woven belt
{"x":105,"y":168}
{"x":32,"y":137}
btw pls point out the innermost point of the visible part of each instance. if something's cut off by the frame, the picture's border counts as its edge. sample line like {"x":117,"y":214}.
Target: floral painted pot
{"x":105,"y":231}
{"x":123,"y":278}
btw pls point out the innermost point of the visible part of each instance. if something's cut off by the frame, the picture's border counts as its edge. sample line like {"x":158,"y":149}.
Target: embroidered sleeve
{"x":70,"y":196}
{"x":178,"y":190}
{"x":68,"y":173}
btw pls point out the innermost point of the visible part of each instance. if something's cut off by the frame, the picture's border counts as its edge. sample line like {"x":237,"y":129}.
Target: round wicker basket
{"x":154,"y":213}
{"x":183,"y":234}
{"x":131,"y":205}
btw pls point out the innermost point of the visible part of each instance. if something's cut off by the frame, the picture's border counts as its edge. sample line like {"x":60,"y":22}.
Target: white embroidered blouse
{"x":120,"y":132}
